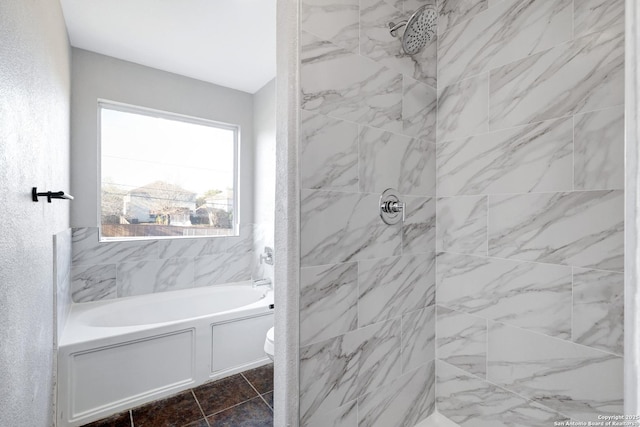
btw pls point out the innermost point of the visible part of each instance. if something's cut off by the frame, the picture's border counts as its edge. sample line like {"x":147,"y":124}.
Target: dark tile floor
{"x":241,"y":400}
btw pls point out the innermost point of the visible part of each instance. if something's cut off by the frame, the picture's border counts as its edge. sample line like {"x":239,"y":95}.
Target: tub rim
{"x":78,"y":332}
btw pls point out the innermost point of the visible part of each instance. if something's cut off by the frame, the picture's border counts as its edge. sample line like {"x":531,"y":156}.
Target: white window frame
{"x":135,"y":109}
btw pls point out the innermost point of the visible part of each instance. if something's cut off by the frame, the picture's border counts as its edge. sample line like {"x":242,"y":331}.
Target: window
{"x":166,"y":175}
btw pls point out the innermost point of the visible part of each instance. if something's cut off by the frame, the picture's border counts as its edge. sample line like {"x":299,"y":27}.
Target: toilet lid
{"x":270,"y":334}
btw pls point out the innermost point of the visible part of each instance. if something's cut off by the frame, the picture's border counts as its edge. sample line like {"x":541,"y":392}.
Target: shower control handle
{"x":392,"y":210}
{"x":393,"y":207}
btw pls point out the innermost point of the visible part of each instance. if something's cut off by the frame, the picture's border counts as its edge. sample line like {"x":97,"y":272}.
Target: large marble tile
{"x":536,"y":157}
{"x":377,"y":43}
{"x":493,"y":3}
{"x":391,"y":287}
{"x":93,"y":282}
{"x":88,"y":251}
{"x":463,"y":108}
{"x":190,"y":248}
{"x":339,"y":227}
{"x":591,"y":16}
{"x":598,"y":309}
{"x":462,"y":340}
{"x":328,"y":153}
{"x":472,"y":402}
{"x":334,"y":20}
{"x":462,"y":224}
{"x":146,"y":277}
{"x":344,"y":85}
{"x":582,"y":229}
{"x":343,"y":416}
{"x":529,"y":295}
{"x":418,"y":169}
{"x":390,"y":160}
{"x":221,"y":269}
{"x":500,"y":35}
{"x":418,"y":338}
{"x":419,"y":227}
{"x":572,"y":379}
{"x":381,"y":156}
{"x":599,"y":150}
{"x":454,"y":12}
{"x":584,"y":75}
{"x":404,"y":402}
{"x":328,"y":301}
{"x":419,"y":109}
{"x":338,"y":370}
{"x":241,"y":244}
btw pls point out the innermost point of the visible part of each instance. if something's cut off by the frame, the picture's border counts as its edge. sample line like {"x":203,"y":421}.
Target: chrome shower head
{"x":419,"y":29}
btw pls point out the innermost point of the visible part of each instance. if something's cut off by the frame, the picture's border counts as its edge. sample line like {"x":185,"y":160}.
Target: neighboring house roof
{"x":160,"y":189}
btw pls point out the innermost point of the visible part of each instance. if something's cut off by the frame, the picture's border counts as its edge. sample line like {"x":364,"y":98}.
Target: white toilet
{"x":268,"y":343}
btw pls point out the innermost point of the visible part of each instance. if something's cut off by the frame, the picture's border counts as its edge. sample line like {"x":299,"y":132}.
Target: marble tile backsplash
{"x":107,"y":270}
{"x":529,"y":211}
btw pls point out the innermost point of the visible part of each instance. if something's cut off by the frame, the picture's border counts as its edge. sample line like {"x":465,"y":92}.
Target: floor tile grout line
{"x":256,"y":390}
{"x":131,"y":417}
{"x":231,"y":407}
{"x":200,"y":407}
{"x":250,"y":383}
{"x":265,"y":401}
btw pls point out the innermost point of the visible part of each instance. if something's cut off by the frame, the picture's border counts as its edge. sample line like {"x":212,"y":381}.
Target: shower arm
{"x":393,"y":27}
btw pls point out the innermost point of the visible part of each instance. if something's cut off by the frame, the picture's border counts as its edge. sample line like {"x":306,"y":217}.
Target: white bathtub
{"x":117,"y":354}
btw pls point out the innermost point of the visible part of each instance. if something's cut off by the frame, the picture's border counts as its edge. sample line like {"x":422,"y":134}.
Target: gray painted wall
{"x":264,"y":184}
{"x":96,"y":76}
{"x":195,"y":262}
{"x":34,"y":151}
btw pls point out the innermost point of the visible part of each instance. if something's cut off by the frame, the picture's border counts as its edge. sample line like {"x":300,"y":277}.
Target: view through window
{"x":166,"y":175}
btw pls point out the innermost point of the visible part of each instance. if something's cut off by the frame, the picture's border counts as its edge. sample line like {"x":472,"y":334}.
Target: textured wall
{"x":366,"y":289}
{"x":34,"y":151}
{"x":530,"y":182}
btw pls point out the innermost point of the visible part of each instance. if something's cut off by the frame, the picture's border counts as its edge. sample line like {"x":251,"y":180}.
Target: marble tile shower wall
{"x":120,"y":269}
{"x":367,"y":313}
{"x":529,"y":283}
